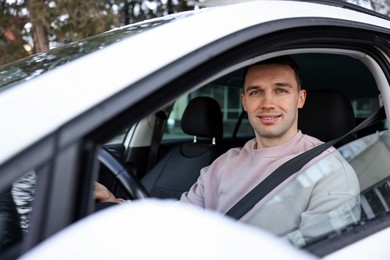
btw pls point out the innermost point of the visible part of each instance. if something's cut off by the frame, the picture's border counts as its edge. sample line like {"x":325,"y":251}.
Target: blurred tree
{"x":62,"y":21}
{"x":139,"y":10}
{"x":31,"y":26}
{"x":381,"y":6}
{"x":39,"y":30}
{"x":12,"y":23}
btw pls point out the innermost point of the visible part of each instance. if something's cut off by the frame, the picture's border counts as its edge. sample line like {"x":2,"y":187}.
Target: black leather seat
{"x":326,"y":115}
{"x":179,"y":169}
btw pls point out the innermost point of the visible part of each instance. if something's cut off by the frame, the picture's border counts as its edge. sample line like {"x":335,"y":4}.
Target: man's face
{"x":272,"y":98}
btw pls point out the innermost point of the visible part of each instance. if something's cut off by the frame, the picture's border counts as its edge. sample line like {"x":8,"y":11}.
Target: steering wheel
{"x":128,"y":182}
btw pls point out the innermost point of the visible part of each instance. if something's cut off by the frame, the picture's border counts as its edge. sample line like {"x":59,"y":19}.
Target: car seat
{"x":326,"y":115}
{"x":179,"y":169}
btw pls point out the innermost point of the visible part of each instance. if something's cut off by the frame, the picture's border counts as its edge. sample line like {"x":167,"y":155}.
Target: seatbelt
{"x":290,"y":167}
{"x":237,"y":126}
{"x":156,"y":138}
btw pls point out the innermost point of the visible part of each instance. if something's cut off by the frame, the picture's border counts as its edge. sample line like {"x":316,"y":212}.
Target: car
{"x":142,"y":108}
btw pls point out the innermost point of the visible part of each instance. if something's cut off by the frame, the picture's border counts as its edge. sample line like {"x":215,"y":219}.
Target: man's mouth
{"x":269,"y":118}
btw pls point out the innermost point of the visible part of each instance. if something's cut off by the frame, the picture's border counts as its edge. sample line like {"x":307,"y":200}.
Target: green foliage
{"x":11,"y":32}
{"x":64,"y":21}
{"x":69,"y":20}
{"x":381,"y":6}
{"x":139,"y":10}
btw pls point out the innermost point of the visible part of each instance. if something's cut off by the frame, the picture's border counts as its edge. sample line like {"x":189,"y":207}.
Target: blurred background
{"x":32,"y":26}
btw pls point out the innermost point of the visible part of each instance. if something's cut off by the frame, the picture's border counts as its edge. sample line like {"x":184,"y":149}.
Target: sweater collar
{"x":275,"y":151}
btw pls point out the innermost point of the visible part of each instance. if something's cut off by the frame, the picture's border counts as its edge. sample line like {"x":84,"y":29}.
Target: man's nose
{"x":268,"y":100}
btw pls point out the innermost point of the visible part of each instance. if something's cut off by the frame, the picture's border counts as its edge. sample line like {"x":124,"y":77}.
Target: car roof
{"x":37,"y":109}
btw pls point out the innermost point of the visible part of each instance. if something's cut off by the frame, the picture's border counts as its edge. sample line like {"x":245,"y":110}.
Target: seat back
{"x":326,"y":115}
{"x":179,"y":169}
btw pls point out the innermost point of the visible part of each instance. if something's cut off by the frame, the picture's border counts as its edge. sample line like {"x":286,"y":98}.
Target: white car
{"x":110,"y":109}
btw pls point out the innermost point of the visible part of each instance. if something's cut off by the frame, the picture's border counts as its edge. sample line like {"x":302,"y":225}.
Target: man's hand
{"x":102,"y":194}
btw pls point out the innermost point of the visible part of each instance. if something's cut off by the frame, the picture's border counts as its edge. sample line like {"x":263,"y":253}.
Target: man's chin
{"x":271,"y":133}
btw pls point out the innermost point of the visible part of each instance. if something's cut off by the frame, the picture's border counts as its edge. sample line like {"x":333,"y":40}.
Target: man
{"x":272,"y":96}
{"x":303,"y":208}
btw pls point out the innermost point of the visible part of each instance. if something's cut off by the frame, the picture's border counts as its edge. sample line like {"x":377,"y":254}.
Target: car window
{"x":229,"y":100}
{"x":118,"y":139}
{"x":15,"y":211}
{"x":368,"y":157}
{"x":363,"y":107}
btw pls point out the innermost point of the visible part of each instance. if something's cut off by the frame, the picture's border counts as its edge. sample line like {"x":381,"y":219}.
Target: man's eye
{"x":280,"y":90}
{"x":255,"y":92}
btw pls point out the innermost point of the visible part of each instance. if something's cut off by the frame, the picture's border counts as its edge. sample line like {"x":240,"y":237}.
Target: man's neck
{"x":266,"y":142}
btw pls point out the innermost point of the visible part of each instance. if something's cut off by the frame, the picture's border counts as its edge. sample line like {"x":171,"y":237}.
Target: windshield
{"x":38,"y":64}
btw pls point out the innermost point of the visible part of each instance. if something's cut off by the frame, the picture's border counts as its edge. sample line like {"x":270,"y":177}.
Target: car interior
{"x":191,"y":132}
{"x":340,"y":93}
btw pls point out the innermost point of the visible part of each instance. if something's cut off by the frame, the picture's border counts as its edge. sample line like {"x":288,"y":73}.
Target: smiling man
{"x":302,"y":211}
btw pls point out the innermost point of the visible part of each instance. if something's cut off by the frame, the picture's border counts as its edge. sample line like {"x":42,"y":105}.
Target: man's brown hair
{"x":281,"y":60}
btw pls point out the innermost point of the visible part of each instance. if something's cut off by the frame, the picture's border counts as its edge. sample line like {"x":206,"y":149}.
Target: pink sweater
{"x":231,"y":176}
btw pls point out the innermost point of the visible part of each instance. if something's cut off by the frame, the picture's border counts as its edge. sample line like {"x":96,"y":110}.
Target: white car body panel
{"x":45,"y":108}
{"x":179,"y":231}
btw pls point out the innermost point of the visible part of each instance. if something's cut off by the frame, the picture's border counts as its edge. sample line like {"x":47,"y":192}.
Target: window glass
{"x":369,"y":156}
{"x":15,"y":211}
{"x":229,"y":100}
{"x":363,"y":107}
{"x":342,"y":190}
{"x":119,"y":139}
{"x":38,"y":64}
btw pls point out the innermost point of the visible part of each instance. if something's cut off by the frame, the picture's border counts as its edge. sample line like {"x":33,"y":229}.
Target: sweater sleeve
{"x":334,"y":204}
{"x":195,"y":195}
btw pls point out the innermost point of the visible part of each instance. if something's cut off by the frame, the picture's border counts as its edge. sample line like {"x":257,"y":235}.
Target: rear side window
{"x":229,"y":100}
{"x":364,"y":107}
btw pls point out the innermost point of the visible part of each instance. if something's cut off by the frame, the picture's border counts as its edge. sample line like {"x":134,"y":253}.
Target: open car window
{"x":339,"y":211}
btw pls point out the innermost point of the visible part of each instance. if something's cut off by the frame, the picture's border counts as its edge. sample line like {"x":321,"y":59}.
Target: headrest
{"x":326,"y":115}
{"x":203,"y":117}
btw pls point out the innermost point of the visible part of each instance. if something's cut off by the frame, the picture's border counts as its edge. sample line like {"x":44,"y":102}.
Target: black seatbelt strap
{"x":157,"y":133}
{"x":239,"y":121}
{"x":290,"y":167}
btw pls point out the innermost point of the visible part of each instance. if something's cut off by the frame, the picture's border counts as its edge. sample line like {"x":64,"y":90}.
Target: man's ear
{"x":301,"y":98}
